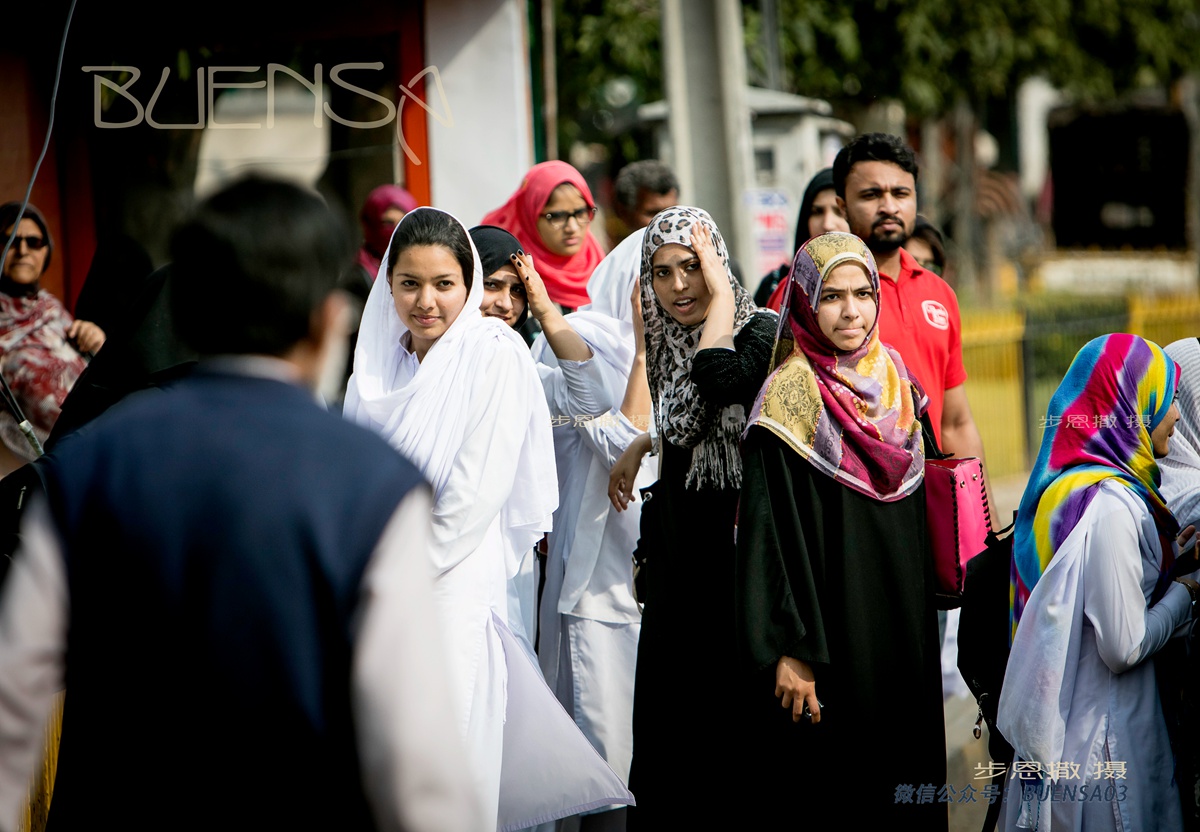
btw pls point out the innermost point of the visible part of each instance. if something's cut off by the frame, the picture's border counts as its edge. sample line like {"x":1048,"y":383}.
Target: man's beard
{"x":886,"y":242}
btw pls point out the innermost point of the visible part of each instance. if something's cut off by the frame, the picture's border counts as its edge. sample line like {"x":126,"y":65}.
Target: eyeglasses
{"x":33,"y":243}
{"x":558,"y":219}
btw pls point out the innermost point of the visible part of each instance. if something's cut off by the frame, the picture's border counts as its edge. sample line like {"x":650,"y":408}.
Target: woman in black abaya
{"x":707,"y":353}
{"x":834,"y":595}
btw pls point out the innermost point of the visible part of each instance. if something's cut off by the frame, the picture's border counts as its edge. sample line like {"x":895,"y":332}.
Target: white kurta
{"x":575,"y":392}
{"x":1181,"y":469}
{"x":1078,"y":688}
{"x":590,"y":622}
{"x":597,"y":615}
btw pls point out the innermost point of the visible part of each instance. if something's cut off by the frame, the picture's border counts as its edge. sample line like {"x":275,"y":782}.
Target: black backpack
{"x":983,"y":630}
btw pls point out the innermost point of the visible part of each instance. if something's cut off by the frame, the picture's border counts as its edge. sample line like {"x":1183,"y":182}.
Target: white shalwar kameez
{"x":472,"y":417}
{"x":590,"y":622}
{"x":1080,"y":688}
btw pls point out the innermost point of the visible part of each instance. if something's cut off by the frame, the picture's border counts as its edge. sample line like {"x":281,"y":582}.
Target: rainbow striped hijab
{"x":1098,"y":425}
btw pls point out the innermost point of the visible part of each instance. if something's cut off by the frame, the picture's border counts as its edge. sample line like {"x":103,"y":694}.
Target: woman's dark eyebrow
{"x":435,"y":277}
{"x":865,"y":286}
{"x":683,"y":262}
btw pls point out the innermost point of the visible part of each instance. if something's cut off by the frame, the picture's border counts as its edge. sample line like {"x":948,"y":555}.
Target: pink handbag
{"x":957,"y":519}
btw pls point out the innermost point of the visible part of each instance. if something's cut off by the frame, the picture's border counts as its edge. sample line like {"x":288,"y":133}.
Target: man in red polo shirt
{"x":875,"y":177}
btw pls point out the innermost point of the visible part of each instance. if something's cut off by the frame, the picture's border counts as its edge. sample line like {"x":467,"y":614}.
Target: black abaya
{"x":688,"y":699}
{"x":842,"y":582}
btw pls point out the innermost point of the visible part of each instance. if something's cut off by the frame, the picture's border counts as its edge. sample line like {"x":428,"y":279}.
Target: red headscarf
{"x":565,"y":277}
{"x":376,"y":233}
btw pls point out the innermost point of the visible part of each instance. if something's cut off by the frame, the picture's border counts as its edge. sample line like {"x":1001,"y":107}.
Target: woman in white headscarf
{"x":1181,"y":469}
{"x":458,"y":395}
{"x":590,"y":621}
{"x":574,"y":385}
{"x":1180,"y":487}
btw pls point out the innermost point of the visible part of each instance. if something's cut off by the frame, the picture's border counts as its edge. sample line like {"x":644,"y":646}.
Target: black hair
{"x":872,"y":147}
{"x":647,"y":175}
{"x":927,"y":231}
{"x":8,"y":219}
{"x":495,"y":246}
{"x":252,"y":265}
{"x":431,"y":227}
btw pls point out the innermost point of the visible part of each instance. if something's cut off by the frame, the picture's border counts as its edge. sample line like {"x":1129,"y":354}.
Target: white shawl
{"x":1181,"y":469}
{"x":606,"y":324}
{"x":473,"y":418}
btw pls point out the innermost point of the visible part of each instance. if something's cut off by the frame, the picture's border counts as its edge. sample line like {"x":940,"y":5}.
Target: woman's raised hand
{"x":535,"y":289}
{"x":715,"y":275}
{"x":639,"y":323}
{"x":562,"y":338}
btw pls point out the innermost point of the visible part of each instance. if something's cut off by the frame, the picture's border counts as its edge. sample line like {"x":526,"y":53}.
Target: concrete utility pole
{"x":770,"y":39}
{"x":704,"y":64}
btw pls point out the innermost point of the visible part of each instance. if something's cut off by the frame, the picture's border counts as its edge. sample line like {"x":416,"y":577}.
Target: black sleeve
{"x":777,"y":575}
{"x":769,"y":283}
{"x":724,"y":377}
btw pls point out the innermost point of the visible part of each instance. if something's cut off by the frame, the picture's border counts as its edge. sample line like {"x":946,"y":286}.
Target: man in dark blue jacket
{"x":231,"y":581}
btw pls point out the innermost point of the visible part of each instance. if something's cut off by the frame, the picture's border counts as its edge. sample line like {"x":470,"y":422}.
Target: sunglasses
{"x":558,"y":219}
{"x":32,"y":243}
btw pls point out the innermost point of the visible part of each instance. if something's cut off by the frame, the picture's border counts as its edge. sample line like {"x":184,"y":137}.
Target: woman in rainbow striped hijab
{"x":1093,"y":599}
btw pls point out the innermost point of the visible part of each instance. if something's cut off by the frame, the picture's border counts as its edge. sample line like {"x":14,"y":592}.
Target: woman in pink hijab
{"x":385,"y":206}
{"x":551,"y":215}
{"x":381,"y":212}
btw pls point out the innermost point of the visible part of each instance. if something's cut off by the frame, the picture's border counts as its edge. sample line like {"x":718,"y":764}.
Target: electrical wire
{"x":62,"y":48}
{"x":9,"y":399}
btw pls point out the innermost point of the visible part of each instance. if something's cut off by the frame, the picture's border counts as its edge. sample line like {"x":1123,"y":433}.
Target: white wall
{"x":480,"y":50}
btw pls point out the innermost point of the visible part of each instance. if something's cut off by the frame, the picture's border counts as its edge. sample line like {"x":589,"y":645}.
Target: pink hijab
{"x":565,"y":277}
{"x":376,"y":233}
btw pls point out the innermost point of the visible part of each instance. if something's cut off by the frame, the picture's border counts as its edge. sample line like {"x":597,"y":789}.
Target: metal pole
{"x":10,"y":401}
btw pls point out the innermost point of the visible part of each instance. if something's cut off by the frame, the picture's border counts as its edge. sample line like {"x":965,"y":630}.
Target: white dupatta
{"x":606,"y":324}
{"x":1181,"y":468}
{"x":472,"y":417}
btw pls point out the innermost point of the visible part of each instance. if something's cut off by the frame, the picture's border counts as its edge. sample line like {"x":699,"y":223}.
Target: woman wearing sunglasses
{"x":551,"y":215}
{"x":42,"y":347}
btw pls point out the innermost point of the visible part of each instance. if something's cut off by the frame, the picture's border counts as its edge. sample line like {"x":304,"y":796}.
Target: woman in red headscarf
{"x":551,"y":214}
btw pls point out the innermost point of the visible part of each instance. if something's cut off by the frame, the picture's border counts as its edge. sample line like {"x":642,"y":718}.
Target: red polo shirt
{"x":918,"y":316}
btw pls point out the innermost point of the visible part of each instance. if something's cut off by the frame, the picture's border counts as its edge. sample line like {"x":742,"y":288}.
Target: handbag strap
{"x":932,"y":449}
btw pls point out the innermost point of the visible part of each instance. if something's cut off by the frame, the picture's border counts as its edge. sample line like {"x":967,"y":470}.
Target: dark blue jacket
{"x":215,"y":537}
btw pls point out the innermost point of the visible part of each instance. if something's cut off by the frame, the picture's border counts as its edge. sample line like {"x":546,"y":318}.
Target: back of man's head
{"x":252,"y":265}
{"x":648,"y":175}
{"x":872,"y":147}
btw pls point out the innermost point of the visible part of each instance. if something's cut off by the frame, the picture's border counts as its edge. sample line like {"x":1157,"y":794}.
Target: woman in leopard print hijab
{"x":675,"y":319}
{"x":708,"y":350}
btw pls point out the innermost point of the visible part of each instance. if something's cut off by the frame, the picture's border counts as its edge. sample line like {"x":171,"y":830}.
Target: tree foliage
{"x":928,"y":52}
{"x":609,"y":61}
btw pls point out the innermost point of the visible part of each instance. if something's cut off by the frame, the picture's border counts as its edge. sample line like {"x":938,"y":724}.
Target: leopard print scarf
{"x":681,"y":415}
